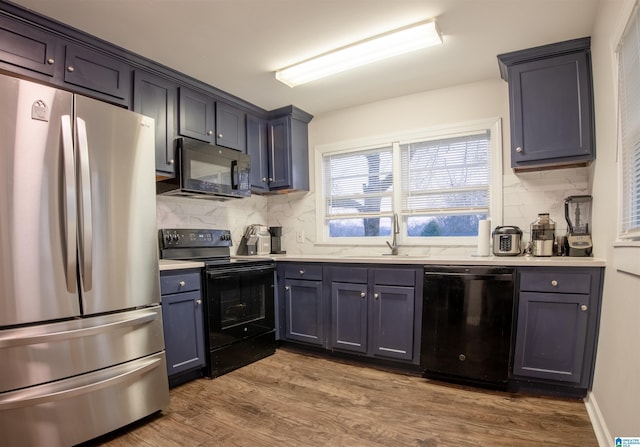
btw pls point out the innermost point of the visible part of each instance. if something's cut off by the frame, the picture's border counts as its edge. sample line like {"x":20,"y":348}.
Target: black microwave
{"x":207,"y":171}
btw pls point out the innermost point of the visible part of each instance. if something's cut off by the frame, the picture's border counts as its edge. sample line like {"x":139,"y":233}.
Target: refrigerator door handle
{"x":33,"y":400}
{"x":12,"y":342}
{"x":86,"y":236}
{"x":70,"y":203}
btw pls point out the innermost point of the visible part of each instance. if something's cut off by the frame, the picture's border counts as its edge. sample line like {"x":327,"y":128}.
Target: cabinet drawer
{"x":351,"y":275}
{"x":394,"y":277}
{"x":179,"y":282}
{"x":303,"y":271}
{"x":557,"y":282}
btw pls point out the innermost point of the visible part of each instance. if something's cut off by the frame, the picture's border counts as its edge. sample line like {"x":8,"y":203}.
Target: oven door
{"x":239,"y":303}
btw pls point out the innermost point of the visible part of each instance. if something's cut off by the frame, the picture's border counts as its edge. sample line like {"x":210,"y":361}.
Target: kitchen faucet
{"x":396,"y":229}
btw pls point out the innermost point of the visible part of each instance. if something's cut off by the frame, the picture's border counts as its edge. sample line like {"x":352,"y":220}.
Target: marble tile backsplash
{"x":524,"y":196}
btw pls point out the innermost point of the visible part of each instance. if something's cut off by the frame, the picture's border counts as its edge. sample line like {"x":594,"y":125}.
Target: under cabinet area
{"x":182,"y":319}
{"x":557,"y":326}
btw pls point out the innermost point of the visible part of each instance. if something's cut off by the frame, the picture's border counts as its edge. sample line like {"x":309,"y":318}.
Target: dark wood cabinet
{"x":157,"y":97}
{"x":182,"y":319}
{"x":304,"y":304}
{"x":27,"y":48}
{"x":551,"y":105}
{"x":258,"y":151}
{"x":556,"y":333}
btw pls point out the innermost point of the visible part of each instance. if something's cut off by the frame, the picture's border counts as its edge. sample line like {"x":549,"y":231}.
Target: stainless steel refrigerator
{"x":81,"y":343}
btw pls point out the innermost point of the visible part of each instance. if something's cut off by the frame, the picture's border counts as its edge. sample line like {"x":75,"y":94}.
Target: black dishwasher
{"x":467,"y":324}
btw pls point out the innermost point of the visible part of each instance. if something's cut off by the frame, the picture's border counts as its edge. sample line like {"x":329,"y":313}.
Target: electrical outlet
{"x":300,"y":237}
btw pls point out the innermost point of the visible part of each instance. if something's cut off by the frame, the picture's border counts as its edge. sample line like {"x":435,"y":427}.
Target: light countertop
{"x":518,"y":261}
{"x":171,"y":264}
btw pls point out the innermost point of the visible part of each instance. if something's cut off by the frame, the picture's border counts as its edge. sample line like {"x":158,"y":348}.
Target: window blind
{"x":446,"y":176}
{"x":358,"y":184}
{"x":629,"y":91}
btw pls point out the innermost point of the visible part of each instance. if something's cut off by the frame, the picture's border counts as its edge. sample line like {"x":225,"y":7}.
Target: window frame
{"x":631,"y":236}
{"x":494,"y":125}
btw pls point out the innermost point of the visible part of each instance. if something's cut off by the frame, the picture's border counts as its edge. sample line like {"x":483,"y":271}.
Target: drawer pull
{"x":182,"y":283}
{"x":51,"y":61}
{"x":302,"y":272}
{"x":286,"y":288}
{"x":376,"y":296}
{"x":71,"y":69}
{"x":198,"y":302}
{"x":209,"y":132}
{"x":519,"y":149}
{"x":584,"y":308}
{"x":554,"y":283}
{"x":363,"y":294}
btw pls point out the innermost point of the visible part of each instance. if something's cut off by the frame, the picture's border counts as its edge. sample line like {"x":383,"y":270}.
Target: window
{"x":438,"y":181}
{"x":629,"y":101}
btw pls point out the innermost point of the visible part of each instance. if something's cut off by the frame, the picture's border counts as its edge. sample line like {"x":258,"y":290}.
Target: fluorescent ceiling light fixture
{"x":383,"y":46}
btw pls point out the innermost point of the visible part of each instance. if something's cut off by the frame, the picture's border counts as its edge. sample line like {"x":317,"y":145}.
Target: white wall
{"x":525,"y":195}
{"x":613,"y":402}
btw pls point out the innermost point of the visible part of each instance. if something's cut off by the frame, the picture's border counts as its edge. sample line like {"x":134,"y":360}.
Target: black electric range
{"x":238,"y":297}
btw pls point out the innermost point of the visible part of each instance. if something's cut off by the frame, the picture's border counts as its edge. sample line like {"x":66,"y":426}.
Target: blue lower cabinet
{"x":182,"y":319}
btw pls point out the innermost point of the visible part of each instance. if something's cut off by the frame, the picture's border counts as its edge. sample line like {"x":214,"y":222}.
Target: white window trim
{"x":429,"y":133}
{"x":623,"y":239}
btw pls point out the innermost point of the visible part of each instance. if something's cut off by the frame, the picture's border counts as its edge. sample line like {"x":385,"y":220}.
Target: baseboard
{"x":597,"y":421}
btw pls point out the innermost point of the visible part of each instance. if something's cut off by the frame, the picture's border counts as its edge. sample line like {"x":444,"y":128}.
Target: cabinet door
{"x":183,"y":331}
{"x":349,"y":317}
{"x":97,"y":72}
{"x":551,"y":335}
{"x":391,"y":321}
{"x":551,"y":110}
{"x":158,"y":97}
{"x":197,"y":116}
{"x":231,"y":127}
{"x":279,"y":133}
{"x":26,"y":47}
{"x":304,"y":311}
{"x":257,"y":150}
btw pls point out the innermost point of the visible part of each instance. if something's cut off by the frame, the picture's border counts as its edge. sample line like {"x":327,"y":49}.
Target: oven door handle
{"x":472,"y":276}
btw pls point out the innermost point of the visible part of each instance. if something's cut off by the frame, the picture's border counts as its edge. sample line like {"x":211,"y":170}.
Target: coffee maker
{"x":577,"y":212}
{"x":276,"y":240}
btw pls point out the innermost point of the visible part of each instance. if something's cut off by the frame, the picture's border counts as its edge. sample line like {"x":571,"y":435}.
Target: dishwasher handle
{"x":471,"y":276}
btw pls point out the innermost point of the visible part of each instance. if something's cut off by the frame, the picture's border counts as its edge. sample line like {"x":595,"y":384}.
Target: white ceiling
{"x":236,"y":45}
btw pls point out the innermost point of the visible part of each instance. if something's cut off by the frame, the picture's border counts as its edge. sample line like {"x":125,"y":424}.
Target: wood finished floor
{"x":293,"y":399}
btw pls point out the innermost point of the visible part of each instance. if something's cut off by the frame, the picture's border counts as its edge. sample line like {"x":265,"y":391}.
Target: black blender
{"x":577,"y":212}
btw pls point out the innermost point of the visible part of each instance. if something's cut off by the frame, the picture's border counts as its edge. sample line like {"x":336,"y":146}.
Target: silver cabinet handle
{"x":220,"y":135}
{"x":70,"y":69}
{"x":209,"y":132}
{"x":198,"y":302}
{"x":584,"y":308}
{"x":51,"y":61}
{"x":302,"y":272}
{"x":518,"y":149}
{"x":264,"y":179}
{"x":270,"y":179}
{"x":362,"y":294}
{"x":286,"y":287}
{"x":376,"y":296}
{"x":171,"y":162}
{"x":182,"y":283}
{"x":554,"y":283}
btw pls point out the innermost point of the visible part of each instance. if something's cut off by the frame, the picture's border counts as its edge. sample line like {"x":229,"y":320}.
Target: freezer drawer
{"x":74,"y":410}
{"x":44,"y":353}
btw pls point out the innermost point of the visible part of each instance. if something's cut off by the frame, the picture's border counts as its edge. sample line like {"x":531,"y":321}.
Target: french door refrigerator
{"x":81,"y":344}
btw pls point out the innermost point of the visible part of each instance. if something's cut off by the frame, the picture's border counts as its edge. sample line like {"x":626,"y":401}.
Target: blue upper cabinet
{"x":551,"y":105}
{"x":257,"y":150}
{"x":197,"y":116}
{"x":231,"y":127}
{"x":28,"y":49}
